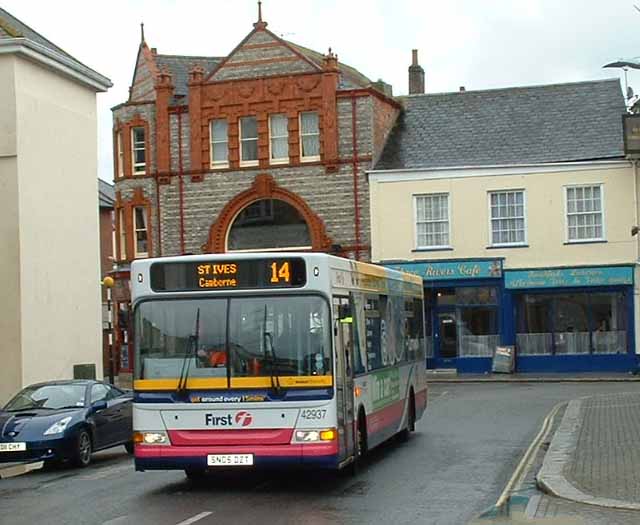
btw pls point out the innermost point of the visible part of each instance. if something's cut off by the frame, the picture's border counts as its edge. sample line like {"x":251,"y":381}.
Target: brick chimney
{"x":416,"y":75}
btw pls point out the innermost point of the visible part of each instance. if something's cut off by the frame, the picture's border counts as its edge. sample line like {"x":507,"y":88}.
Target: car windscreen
{"x":233,"y":337}
{"x":52,"y":397}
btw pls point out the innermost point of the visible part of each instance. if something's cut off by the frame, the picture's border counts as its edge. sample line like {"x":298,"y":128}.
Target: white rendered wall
{"x":59,"y":236}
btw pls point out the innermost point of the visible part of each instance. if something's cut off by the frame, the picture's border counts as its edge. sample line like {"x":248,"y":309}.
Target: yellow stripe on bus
{"x":220,"y":383}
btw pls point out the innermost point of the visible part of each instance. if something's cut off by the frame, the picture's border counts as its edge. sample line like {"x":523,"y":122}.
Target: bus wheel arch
{"x":411,"y":424}
{"x":362,"y":440}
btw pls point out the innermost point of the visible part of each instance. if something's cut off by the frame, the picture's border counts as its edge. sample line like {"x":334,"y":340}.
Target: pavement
{"x":435,"y":376}
{"x":594,"y":456}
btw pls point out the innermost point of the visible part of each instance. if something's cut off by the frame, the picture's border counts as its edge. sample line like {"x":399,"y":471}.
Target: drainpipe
{"x":356,"y":202}
{"x":181,"y":181}
{"x":159,"y":227}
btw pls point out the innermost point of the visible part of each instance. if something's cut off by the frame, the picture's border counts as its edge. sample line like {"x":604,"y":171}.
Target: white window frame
{"x":280,"y":160}
{"x":134,"y":166}
{"x":491,"y":219}
{"x":565,"y":189}
{"x":246,"y":163}
{"x":135,"y":230}
{"x":416,"y":196}
{"x":218,"y":164}
{"x":311,"y":158}
{"x":119,"y":155}
{"x":122,"y":234}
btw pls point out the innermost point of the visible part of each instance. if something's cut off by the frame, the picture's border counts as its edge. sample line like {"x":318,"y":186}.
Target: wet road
{"x":454,"y":466}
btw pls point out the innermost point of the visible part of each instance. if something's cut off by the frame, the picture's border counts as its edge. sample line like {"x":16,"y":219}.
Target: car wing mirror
{"x":99,"y":405}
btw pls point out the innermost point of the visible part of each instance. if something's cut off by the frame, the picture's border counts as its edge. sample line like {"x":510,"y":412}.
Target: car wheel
{"x":129,"y":447}
{"x":82,"y":454}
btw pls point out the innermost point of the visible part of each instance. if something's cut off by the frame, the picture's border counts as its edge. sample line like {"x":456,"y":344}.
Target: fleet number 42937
{"x":314,"y":413}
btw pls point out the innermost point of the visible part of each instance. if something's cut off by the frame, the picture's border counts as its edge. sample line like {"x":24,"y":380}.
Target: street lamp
{"x":108,"y":283}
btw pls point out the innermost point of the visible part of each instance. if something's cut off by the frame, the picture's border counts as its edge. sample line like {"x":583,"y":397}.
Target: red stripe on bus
{"x":248,"y":436}
{"x":319,"y":449}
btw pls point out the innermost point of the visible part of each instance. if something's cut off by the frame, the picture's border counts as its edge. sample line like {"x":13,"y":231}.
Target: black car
{"x":65,"y":421}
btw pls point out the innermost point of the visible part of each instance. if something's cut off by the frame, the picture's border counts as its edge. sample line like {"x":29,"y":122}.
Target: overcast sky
{"x":478,"y":44}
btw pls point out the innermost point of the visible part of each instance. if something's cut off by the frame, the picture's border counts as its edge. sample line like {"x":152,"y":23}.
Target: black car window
{"x":99,"y":392}
{"x":49,"y":396}
{"x":114,"y":393}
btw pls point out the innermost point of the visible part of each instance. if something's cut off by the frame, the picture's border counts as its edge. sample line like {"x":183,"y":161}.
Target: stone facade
{"x":190,"y":206}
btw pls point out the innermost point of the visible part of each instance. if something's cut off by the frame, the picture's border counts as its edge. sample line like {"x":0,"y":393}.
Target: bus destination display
{"x":228,"y":275}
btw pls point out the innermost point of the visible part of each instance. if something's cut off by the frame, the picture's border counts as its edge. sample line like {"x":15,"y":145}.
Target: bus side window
{"x":358,"y":332}
{"x":373,"y":327}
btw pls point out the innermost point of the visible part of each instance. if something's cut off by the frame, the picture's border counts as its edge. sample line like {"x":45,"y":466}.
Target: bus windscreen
{"x":228,"y":274}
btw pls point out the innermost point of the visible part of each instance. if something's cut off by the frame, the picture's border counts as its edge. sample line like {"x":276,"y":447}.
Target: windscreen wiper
{"x":181,"y":389}
{"x":267,"y":336}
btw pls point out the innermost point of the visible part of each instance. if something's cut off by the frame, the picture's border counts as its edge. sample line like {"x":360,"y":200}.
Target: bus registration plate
{"x":229,"y":460}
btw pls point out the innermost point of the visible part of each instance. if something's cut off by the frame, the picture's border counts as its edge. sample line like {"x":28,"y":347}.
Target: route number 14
{"x":280,"y":274}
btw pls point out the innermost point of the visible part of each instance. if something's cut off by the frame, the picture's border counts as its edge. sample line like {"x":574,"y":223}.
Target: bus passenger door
{"x":343,"y":332}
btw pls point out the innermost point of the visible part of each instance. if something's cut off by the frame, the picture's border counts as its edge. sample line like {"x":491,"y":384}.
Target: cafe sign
{"x":443,"y":271}
{"x":569,"y":277}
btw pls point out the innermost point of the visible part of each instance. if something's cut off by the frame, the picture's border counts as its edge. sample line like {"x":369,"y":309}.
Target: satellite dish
{"x":630,"y":93}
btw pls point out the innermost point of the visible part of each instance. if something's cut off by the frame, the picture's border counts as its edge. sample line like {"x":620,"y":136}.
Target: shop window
{"x":507,"y":212}
{"x":248,"y":141}
{"x":269,"y":225}
{"x":585,"y":221}
{"x":219,"y":143}
{"x":432,"y":220}
{"x":278,"y":139}
{"x":138,"y":150}
{"x":571,"y":323}
{"x":608,"y":323}
{"x":478,"y":331}
{"x":309,"y":136}
{"x":534,"y":335}
{"x":140,"y":233}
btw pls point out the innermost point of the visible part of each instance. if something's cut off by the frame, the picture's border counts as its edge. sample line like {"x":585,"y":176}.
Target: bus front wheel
{"x":405,"y":433}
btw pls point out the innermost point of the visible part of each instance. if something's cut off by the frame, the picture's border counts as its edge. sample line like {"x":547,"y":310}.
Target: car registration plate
{"x":229,"y":460}
{"x":13,"y":447}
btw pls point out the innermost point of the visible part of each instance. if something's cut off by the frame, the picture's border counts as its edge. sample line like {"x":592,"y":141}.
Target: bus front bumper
{"x":314,"y":455}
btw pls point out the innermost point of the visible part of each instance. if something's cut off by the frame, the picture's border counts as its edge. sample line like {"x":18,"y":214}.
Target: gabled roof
{"x":179,"y":67}
{"x":350,"y":77}
{"x":106,"y":194}
{"x":13,"y":30}
{"x":521,"y":125}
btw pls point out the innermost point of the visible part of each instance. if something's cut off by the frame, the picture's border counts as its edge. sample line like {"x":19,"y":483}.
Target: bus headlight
{"x":151,"y":438}
{"x":315,"y":435}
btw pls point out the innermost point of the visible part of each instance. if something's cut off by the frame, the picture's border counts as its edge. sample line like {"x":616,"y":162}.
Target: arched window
{"x":269,"y":224}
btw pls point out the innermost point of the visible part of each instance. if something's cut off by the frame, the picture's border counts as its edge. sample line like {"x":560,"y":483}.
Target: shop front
{"x":573,"y":319}
{"x":463,"y":313}
{"x":560,"y":320}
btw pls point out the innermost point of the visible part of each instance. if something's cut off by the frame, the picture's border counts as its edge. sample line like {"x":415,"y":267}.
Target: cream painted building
{"x":516,"y":206}
{"x":50,"y":317}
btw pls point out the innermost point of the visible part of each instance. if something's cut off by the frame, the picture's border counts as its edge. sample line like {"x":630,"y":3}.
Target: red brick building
{"x":262,"y":149}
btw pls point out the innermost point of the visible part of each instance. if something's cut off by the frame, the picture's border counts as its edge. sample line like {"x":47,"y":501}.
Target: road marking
{"x":527,"y":460}
{"x":195,"y":518}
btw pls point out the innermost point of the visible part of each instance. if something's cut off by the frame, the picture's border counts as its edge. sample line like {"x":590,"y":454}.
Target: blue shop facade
{"x":569,"y":319}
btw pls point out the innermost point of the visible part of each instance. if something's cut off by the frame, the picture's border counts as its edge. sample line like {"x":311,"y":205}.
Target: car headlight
{"x":151,"y":438}
{"x":58,"y":427}
{"x":314,"y":435}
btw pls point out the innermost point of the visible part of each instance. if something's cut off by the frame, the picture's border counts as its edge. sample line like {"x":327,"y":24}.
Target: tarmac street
{"x":452,"y":469}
